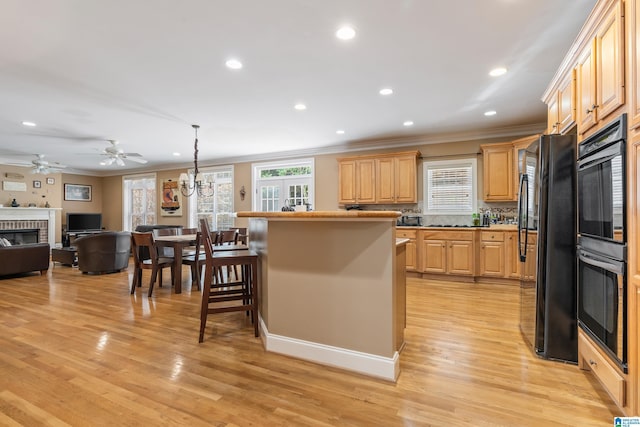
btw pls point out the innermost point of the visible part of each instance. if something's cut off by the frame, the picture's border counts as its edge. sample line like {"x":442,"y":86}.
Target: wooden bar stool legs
{"x":223,"y":297}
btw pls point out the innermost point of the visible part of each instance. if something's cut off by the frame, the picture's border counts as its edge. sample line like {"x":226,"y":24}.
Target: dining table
{"x":178,"y":243}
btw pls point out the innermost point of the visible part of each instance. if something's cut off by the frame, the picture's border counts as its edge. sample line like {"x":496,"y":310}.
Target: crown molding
{"x":347,"y":147}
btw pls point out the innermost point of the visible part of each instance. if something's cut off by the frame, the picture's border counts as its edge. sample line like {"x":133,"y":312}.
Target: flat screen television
{"x":77,"y":222}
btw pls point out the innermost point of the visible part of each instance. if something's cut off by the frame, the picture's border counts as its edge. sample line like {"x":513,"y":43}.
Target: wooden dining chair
{"x":189,"y":250}
{"x":155,"y":262}
{"x":230,"y":296}
{"x":173,"y":231}
{"x":227,"y":237}
{"x":196,"y":261}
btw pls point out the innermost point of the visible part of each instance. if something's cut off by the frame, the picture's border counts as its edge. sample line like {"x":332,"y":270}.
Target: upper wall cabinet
{"x":600,"y":72}
{"x":633,"y":38}
{"x":501,"y":164}
{"x":562,"y":106}
{"x":356,"y":181}
{"x":498,"y":172}
{"x":378,"y":179}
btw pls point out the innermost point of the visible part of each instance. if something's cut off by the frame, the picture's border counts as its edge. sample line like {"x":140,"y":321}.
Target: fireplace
{"x":42,"y":219}
{"x":23,"y":236}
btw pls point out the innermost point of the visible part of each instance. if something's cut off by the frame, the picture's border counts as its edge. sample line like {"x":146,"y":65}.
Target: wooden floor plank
{"x":80,"y":350}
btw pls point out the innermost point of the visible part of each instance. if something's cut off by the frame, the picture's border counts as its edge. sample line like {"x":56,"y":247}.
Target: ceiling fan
{"x":117,"y":155}
{"x":40,"y":166}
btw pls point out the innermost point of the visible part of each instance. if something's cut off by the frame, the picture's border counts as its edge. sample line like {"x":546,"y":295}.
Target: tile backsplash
{"x":505,"y":212}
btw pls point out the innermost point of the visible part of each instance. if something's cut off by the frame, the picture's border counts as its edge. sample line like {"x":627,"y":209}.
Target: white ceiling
{"x":143,"y":71}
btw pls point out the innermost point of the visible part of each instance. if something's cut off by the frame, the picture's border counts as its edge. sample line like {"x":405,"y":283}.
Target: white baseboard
{"x":387,"y":368}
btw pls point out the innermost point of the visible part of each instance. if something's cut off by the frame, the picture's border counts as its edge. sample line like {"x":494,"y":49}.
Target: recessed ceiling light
{"x":346,"y":33}
{"x":497,"y":72}
{"x":407,"y":123}
{"x":31,"y":124}
{"x":300,"y":107}
{"x":176,"y":154}
{"x":234,"y":64}
{"x":340,"y":132}
{"x":386,"y":91}
{"x":490,"y":113}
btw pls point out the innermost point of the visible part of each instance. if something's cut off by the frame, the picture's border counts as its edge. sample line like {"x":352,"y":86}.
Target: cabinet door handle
{"x":593,"y":108}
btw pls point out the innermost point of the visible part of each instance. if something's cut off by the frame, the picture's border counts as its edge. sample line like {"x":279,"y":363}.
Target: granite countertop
{"x":320,"y":214}
{"x":492,"y":227}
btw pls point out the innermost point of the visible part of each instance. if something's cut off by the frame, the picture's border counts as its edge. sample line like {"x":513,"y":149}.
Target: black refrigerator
{"x":547,"y":247}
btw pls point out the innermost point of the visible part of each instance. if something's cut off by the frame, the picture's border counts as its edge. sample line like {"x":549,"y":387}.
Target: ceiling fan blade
{"x":119,"y":161}
{"x":137,"y":160}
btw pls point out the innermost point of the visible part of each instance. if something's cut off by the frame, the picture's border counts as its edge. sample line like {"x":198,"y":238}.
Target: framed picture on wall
{"x":37,"y":184}
{"x":77,"y":192}
{"x":171,"y":198}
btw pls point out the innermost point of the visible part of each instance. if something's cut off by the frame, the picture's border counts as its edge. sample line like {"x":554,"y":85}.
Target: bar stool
{"x":240,"y":295}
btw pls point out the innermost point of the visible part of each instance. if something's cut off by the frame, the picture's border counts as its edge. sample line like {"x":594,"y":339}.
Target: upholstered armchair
{"x":106,"y":252}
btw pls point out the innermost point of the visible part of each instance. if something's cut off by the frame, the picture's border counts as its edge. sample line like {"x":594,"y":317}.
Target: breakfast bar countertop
{"x":320,"y":214}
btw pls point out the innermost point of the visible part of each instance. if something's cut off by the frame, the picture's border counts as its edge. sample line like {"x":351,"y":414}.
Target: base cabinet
{"x":590,"y":358}
{"x":411,"y":255}
{"x":512,"y":255}
{"x":446,"y":252}
{"x":492,"y":254}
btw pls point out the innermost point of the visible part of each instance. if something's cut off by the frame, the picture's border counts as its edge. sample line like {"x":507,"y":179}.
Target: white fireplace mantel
{"x":33,"y":214}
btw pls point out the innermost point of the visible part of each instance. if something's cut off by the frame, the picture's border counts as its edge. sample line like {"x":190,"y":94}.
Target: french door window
{"x":283,"y":184}
{"x":139,"y":201}
{"x":218,"y":208}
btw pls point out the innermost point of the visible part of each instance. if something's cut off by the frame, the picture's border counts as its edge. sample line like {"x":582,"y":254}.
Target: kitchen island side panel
{"x":330,"y":282}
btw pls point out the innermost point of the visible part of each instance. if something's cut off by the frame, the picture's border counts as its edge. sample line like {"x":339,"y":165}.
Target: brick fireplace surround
{"x":43,"y":219}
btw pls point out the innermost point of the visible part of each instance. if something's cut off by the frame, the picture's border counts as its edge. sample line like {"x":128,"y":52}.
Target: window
{"x":139,"y":201}
{"x":218,"y":208}
{"x":450,"y":187}
{"x":284,"y":183}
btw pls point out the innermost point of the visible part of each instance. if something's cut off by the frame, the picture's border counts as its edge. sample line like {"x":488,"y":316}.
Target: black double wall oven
{"x":602,"y":239}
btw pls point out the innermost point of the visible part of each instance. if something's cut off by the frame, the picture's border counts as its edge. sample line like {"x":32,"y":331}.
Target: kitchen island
{"x":332,"y":287}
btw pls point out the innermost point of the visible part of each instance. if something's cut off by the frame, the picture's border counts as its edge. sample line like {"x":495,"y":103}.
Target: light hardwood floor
{"x":79,"y":350}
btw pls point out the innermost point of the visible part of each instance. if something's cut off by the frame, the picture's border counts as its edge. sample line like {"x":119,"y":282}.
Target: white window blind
{"x":450,"y":187}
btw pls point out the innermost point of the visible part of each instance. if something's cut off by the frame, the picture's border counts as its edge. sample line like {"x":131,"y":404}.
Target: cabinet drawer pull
{"x":593,"y":363}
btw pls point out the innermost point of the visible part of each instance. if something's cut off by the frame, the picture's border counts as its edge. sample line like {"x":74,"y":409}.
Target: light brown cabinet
{"x":633,"y":38}
{"x":520,"y":159}
{"x":411,"y":256}
{"x":396,"y":179}
{"x":562,"y":106}
{"x":378,"y":179}
{"x":356,"y":181}
{"x":600,"y":71}
{"x":499,"y":255}
{"x":498,"y":172}
{"x":492,"y":254}
{"x":445,"y":252}
{"x":512,"y":255}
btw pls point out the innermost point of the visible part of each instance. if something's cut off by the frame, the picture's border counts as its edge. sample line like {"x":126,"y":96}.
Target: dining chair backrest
{"x":173,"y":231}
{"x":228,"y":237}
{"x":242,"y":234}
{"x":143,"y":240}
{"x":207,"y":239}
{"x":166,"y":231}
{"x":189,"y":230}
